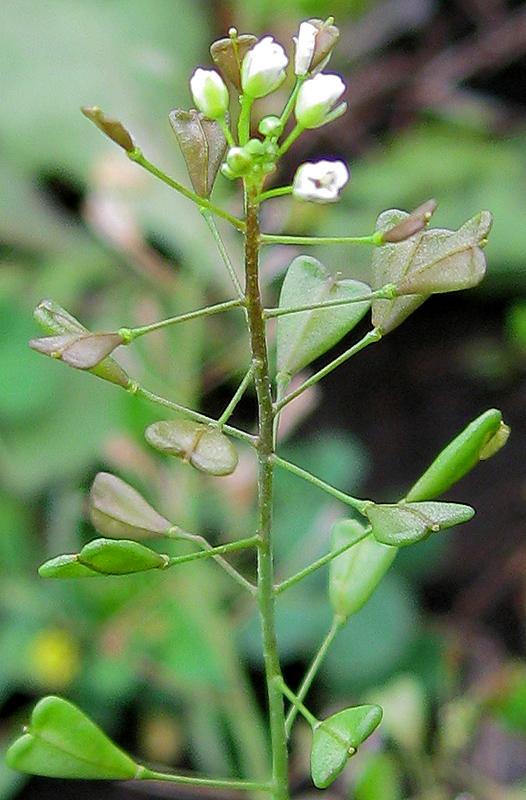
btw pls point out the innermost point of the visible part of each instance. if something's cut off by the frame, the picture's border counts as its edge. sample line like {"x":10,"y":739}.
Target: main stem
{"x":260,"y":367}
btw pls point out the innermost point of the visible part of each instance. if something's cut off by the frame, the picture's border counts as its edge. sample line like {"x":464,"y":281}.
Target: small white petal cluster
{"x":263,"y":68}
{"x":305,"y":45}
{"x":316,"y":100}
{"x":320,"y":182}
{"x":209,"y":92}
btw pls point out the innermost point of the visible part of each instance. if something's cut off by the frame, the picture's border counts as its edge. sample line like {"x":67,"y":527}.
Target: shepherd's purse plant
{"x":410,"y":262}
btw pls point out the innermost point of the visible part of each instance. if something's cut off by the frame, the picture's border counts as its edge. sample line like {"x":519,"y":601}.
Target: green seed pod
{"x":66,"y":566}
{"x":204,"y":447}
{"x":337,"y":738}
{"x":305,"y":335}
{"x":110,"y":557}
{"x":355,"y":574}
{"x":118,"y":511}
{"x":400,"y":524}
{"x":481,"y":439}
{"x":62,"y":742}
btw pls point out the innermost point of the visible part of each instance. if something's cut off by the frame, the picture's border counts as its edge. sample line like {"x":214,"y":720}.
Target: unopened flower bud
{"x":270,"y":126}
{"x":209,"y":93}
{"x":314,"y":45}
{"x":315,"y":103}
{"x":238,"y":162}
{"x":263,"y":68}
{"x":320,"y":182}
{"x":228,"y":54}
{"x":114,"y":129}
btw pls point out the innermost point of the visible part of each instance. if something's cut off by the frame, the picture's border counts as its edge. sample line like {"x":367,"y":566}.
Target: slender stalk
{"x":354,"y":502}
{"x":209,"y":551}
{"x":139,"y":158}
{"x":213,"y":783}
{"x":297,"y":704}
{"x":130,"y":334}
{"x":210,"y":221}
{"x":384,"y":293}
{"x":275,"y":238}
{"x":257,"y":330}
{"x":279,"y":191}
{"x":240,"y":391}
{"x":309,"y":676}
{"x":320,"y":562}
{"x":145,"y":394}
{"x":370,"y":338}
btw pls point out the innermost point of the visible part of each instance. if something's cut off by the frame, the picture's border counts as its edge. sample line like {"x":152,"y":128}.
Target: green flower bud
{"x":263,"y":68}
{"x":209,"y":93}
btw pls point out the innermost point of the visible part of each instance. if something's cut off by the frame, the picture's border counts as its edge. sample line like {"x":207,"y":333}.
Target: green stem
{"x":370,"y":338}
{"x":137,"y":156}
{"x":384,"y":293}
{"x":287,"y":111}
{"x":279,"y":191}
{"x":215,"y":552}
{"x":213,"y":783}
{"x":129,"y":334}
{"x":243,"y":123}
{"x":320,"y":562}
{"x":291,"y":138}
{"x":145,"y":394}
{"x":257,"y":330}
{"x":358,"y":505}
{"x":311,"y":672}
{"x":297,"y":704}
{"x":274,"y":238}
{"x":240,"y":391}
{"x":226,"y":130}
{"x":210,"y":221}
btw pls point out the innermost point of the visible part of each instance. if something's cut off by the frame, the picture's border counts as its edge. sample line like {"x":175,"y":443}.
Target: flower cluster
{"x":257,"y":68}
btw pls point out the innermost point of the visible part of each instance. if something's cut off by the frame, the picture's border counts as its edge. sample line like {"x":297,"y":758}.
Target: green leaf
{"x":337,"y":738}
{"x":481,"y":439}
{"x":400,"y":524}
{"x":355,"y":574}
{"x":205,"y":448}
{"x":62,"y":742}
{"x":118,"y":511}
{"x":305,"y":335}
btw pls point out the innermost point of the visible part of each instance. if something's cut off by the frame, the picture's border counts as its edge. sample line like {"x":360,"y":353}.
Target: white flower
{"x":209,"y":92}
{"x":263,"y":68}
{"x":305,"y":44}
{"x":320,"y":182}
{"x":316,"y":98}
